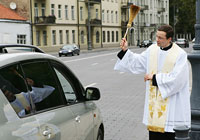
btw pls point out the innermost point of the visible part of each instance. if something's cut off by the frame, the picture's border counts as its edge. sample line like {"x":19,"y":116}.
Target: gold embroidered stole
{"x":157,"y":106}
{"x":23,"y":102}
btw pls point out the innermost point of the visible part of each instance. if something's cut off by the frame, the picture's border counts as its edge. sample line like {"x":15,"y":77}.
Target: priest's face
{"x":162,"y":40}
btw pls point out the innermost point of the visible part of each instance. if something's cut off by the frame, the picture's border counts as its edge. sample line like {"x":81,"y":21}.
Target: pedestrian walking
{"x":166,"y":73}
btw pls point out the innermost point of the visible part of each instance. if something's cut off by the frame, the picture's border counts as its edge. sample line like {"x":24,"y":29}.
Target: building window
{"x":43,"y":9}
{"x":54,"y":37}
{"x":36,"y":10}
{"x":21,"y":39}
{"x":72,"y":10}
{"x":104,"y":36}
{"x":52,"y":9}
{"x":103,"y":16}
{"x":97,"y":13}
{"x":108,"y":36}
{"x":112,"y":20}
{"x":73,"y":36}
{"x":44,"y":38}
{"x":116,"y":16}
{"x":59,"y":11}
{"x":81,"y":13}
{"x":38,"y":38}
{"x":61,"y":36}
{"x":66,"y":12}
{"x":113,"y":36}
{"x":117,"y":36}
{"x":82,"y":37}
{"x":107,"y":15}
{"x":67,"y":36}
{"x":97,"y":37}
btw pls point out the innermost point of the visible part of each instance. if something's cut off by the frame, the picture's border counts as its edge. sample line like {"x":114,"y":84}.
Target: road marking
{"x":121,"y":73}
{"x":89,"y":57}
{"x":91,"y":85}
{"x":94,"y":56}
{"x":95,"y":64}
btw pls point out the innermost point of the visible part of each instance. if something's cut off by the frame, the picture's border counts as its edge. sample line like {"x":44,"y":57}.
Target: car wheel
{"x":100,"y":135}
{"x":60,"y":55}
{"x":72,"y":53}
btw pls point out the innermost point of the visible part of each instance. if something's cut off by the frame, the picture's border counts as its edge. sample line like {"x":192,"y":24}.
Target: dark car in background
{"x":183,"y":43}
{"x":69,"y":49}
{"x":145,"y":43}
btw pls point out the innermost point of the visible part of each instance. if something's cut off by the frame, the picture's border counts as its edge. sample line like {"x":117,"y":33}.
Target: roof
{"x":7,"y":13}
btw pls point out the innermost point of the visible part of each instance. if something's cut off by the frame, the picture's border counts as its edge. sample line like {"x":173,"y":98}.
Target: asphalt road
{"x":122,"y":94}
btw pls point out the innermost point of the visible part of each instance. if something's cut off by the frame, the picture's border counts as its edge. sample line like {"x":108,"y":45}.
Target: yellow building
{"x":58,"y":22}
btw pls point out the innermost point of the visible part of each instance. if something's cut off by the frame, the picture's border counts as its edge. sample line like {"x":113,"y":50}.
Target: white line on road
{"x":90,"y":57}
{"x":93,"y":57}
{"x":90,"y":85}
{"x":121,"y":73}
{"x":95,"y":64}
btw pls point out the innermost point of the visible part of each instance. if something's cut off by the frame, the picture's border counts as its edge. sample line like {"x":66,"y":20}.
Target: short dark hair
{"x":168,"y":30}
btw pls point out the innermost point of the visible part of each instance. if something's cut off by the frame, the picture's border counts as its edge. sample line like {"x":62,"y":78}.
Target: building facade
{"x":14,"y":29}
{"x":93,"y":23}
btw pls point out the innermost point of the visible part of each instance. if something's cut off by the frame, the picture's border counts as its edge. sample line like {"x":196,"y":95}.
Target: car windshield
{"x":68,"y":47}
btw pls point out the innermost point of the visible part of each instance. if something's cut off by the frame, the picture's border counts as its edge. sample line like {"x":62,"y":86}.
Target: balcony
{"x":124,"y":5}
{"x":94,"y":22}
{"x":93,"y":1}
{"x":45,"y":20}
{"x":160,"y":10}
{"x":144,"y":24}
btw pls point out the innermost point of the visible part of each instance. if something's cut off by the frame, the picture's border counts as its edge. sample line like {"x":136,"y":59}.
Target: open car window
{"x":30,"y":87}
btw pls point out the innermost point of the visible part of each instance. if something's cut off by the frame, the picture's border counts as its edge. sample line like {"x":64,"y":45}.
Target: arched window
{"x":82,"y":37}
{"x":97,"y":37}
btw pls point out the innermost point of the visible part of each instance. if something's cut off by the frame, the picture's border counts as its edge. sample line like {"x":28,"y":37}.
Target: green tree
{"x":186,"y":15}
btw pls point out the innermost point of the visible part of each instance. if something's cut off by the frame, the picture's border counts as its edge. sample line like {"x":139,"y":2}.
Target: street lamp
{"x":89,"y":28}
{"x":194,"y":59}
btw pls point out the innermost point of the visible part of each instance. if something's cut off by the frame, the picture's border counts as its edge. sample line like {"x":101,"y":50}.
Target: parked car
{"x":145,"y":43}
{"x":71,"y":49}
{"x":181,"y":42}
{"x":193,"y":40}
{"x":66,"y":112}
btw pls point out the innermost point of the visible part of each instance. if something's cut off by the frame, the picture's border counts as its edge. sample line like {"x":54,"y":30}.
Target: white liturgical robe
{"x":173,"y":85}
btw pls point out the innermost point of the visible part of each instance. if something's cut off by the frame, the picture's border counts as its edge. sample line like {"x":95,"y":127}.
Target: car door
{"x":49,"y":118}
{"x":59,"y":119}
{"x":83,"y":111}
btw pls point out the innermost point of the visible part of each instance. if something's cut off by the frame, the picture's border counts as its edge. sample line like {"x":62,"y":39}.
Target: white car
{"x":41,"y":99}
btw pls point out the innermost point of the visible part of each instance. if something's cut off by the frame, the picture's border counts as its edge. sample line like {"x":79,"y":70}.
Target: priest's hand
{"x":148,"y":77}
{"x":123,"y":44}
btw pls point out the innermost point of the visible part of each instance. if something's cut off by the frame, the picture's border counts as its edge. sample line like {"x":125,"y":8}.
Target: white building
{"x":14,"y":29}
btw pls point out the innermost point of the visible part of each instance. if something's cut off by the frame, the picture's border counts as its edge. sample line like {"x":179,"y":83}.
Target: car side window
{"x":66,"y":87}
{"x":30,"y":87}
{"x":44,"y":84}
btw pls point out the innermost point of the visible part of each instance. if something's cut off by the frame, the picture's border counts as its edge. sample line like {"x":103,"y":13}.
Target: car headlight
{"x":60,"y":51}
{"x":70,"y":50}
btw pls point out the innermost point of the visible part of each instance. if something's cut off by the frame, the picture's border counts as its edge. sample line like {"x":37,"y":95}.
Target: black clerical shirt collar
{"x":166,"y":48}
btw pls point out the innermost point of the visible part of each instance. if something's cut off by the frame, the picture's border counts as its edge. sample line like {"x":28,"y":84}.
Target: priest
{"x":166,"y":73}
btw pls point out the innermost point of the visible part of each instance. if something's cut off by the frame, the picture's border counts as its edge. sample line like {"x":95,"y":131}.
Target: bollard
{"x":182,"y":133}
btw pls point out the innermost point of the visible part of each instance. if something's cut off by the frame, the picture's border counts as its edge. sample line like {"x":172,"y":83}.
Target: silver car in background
{"x":67,"y":113}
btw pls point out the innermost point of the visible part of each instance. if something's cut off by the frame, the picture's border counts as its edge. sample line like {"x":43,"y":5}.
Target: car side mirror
{"x":92,"y":93}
